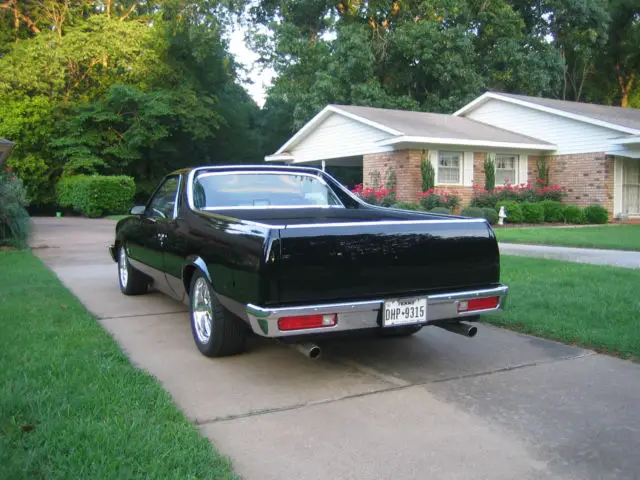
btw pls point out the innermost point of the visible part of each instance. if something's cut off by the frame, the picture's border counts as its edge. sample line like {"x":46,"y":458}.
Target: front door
{"x":148,"y":252}
{"x":631,"y":186}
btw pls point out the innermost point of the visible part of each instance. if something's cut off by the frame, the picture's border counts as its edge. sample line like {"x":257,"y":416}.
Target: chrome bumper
{"x":365,"y":315}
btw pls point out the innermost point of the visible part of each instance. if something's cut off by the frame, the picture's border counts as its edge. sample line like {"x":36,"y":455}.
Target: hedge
{"x":532,"y":212}
{"x":574,"y":214}
{"x":513,"y":210}
{"x":553,"y":211}
{"x":596,"y":214}
{"x":96,"y":195}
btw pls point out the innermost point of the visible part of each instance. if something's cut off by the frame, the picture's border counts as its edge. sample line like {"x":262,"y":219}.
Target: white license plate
{"x":404,"y":312}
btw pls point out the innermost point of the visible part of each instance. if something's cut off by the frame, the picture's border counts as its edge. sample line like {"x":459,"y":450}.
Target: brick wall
{"x":407,"y":166}
{"x":478,"y":169}
{"x":588,"y":177}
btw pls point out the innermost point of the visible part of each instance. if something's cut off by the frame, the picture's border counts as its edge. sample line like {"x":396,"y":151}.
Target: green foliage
{"x":96,"y":195}
{"x":392,"y":180}
{"x":491,"y":215}
{"x":553,"y":211}
{"x":444,"y":210}
{"x":489,"y":172}
{"x":574,"y":214}
{"x":513,"y":210}
{"x":439,"y":198}
{"x":14,"y":219}
{"x":428,"y":173}
{"x":596,"y":214}
{"x":543,"y":172}
{"x":532,"y":212}
{"x":408,"y":206}
{"x":474,"y":212}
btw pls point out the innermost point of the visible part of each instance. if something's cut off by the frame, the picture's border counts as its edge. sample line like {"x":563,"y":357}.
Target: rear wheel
{"x":216,"y":331}
{"x":132,"y":281}
{"x":399,"y":331}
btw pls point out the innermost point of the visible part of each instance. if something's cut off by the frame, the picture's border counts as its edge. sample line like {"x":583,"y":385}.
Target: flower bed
{"x":381,"y":196}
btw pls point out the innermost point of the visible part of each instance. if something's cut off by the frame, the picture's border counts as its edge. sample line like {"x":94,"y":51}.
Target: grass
{"x":115,"y":217}
{"x":71,"y":404}
{"x":618,"y":237}
{"x":592,"y":306}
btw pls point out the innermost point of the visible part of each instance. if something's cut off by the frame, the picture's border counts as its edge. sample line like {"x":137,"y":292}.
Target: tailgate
{"x":368,"y":260}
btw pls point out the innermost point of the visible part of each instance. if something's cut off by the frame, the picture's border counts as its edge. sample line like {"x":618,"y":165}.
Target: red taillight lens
{"x":307,"y":321}
{"x":478,"y":304}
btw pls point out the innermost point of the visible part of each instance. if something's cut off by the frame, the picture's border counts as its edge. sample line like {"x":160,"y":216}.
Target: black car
{"x":289,"y":253}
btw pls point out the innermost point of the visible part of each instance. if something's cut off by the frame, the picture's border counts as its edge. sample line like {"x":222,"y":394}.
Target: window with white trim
{"x":506,"y":168}
{"x":449,"y":168}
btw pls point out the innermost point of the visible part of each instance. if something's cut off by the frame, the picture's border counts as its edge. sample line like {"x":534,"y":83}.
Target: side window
{"x":163,"y":202}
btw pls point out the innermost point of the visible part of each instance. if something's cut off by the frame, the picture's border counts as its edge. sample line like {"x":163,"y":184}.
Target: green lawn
{"x":71,"y":404}
{"x":622,"y":237}
{"x":592,"y":306}
{"x":115,"y":217}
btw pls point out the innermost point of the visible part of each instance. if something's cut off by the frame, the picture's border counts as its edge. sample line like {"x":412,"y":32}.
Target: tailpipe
{"x":308,"y":349}
{"x":460,"y":328}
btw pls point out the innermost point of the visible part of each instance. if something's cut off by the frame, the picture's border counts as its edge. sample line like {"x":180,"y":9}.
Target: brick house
{"x":592,"y":150}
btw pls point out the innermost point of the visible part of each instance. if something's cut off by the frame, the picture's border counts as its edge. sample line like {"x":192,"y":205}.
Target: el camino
{"x":289,"y":253}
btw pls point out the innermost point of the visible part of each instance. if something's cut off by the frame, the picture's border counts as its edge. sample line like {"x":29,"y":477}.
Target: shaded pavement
{"x":438,"y":405}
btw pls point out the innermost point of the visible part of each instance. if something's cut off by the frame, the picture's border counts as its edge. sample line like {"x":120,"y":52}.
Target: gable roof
{"x":626,"y":120}
{"x":417,"y":127}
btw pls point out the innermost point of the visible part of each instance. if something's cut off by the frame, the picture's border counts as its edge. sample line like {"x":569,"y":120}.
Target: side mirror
{"x":137,"y":210}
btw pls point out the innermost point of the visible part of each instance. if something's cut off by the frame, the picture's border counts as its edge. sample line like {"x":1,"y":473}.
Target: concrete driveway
{"x":499,"y":406}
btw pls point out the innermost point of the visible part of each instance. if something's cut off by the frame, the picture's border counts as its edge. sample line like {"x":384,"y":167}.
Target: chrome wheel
{"x":122,"y":266}
{"x":202,"y":310}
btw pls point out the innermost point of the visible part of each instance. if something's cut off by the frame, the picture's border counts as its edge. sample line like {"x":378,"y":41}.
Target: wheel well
{"x":187,"y":275}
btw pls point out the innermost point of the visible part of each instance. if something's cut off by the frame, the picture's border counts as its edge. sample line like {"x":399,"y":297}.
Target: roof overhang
{"x":633,"y":140}
{"x":318,"y":119}
{"x":467,"y":143}
{"x":5,"y":148}
{"x":485,"y":97}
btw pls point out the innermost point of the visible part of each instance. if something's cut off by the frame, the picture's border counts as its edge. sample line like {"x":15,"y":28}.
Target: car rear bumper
{"x":368,"y":314}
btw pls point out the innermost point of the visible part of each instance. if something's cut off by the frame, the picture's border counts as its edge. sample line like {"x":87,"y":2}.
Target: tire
{"x":216,"y":331}
{"x":395,"y":332}
{"x":131,"y":281}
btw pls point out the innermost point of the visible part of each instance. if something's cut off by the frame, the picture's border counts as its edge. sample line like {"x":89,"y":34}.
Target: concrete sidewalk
{"x":615,"y":258}
{"x":501,"y":406}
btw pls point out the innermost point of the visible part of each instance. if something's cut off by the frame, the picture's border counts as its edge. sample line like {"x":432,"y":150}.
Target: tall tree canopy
{"x":119,"y":87}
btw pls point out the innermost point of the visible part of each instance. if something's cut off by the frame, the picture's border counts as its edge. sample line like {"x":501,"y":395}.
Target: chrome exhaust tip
{"x":460,"y":328}
{"x":308,"y":349}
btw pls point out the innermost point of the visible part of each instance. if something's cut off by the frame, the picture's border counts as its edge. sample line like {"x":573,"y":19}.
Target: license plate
{"x":404,"y":312}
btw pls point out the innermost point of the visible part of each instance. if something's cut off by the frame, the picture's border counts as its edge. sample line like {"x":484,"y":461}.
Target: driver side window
{"x":163,"y":202}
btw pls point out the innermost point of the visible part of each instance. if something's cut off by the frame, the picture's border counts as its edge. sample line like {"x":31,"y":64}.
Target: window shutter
{"x":467,"y":172}
{"x":523,"y":166}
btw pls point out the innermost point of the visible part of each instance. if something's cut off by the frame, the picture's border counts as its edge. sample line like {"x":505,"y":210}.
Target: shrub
{"x":489,"y":172}
{"x":512,"y":210}
{"x":596,"y":214}
{"x":491,"y":215}
{"x":428,"y":173}
{"x":475,"y":212}
{"x":574,"y":214}
{"x":407,"y":206}
{"x":435,"y":197}
{"x":444,"y":210}
{"x":481,"y":197}
{"x":14,"y":219}
{"x":381,"y":196}
{"x":551,"y":192}
{"x":532,"y":212}
{"x":96,"y":195}
{"x":553,"y":211}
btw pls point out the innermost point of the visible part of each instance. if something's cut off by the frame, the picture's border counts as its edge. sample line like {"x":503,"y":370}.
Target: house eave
{"x":468,"y":143}
{"x":534,"y":106}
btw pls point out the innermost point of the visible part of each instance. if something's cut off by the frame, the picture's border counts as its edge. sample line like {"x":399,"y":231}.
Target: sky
{"x":260,"y":79}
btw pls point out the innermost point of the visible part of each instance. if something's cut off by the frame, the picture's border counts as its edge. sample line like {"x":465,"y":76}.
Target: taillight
{"x":307,"y":321}
{"x":478,"y":304}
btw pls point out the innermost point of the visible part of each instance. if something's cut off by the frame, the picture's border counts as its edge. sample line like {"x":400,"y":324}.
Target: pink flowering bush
{"x":382,"y":196}
{"x":14,"y":219}
{"x":525,"y":192}
{"x":436,"y":197}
